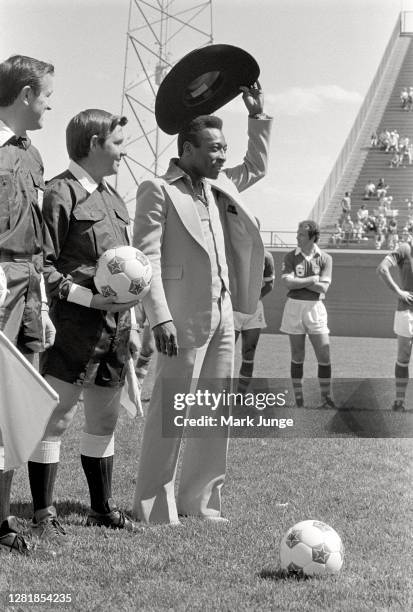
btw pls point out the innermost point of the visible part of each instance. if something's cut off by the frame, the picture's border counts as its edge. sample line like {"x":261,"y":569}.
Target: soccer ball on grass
{"x":124,"y":273}
{"x":311,"y":548}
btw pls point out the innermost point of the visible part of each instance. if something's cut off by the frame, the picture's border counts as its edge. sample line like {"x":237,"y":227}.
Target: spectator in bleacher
{"x":396,"y":160}
{"x":392,"y":238}
{"x":371,"y":224}
{"x":347,"y":227}
{"x":369,"y":190}
{"x":336,"y":237}
{"x":362,"y":213}
{"x":381,"y":230}
{"x":346,"y":203}
{"x":381,"y":184}
{"x":384,"y":139}
{"x":358,"y":231}
{"x":404,"y":97}
{"x":394,"y":141}
{"x":409,"y":105}
{"x":374,"y":139}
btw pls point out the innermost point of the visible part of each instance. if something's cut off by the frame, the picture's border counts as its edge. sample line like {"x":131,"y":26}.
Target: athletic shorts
{"x":403,"y":323}
{"x":304,"y":317}
{"x":247,"y":321}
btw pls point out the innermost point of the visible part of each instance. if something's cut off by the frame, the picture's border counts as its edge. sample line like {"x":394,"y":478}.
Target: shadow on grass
{"x":279,"y":574}
{"x":64,"y":508}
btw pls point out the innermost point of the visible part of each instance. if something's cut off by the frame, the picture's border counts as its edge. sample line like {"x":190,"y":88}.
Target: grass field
{"x":362,"y":487}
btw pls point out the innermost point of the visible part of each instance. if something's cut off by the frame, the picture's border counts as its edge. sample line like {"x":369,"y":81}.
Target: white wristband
{"x":133,"y":318}
{"x":43,"y":289}
{"x":80,"y":295}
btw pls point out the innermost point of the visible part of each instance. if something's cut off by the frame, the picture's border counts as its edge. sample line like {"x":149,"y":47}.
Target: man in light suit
{"x":206,"y":252}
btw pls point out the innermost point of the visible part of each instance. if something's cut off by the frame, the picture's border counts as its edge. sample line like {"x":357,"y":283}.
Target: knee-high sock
{"x":5,"y":487}
{"x":97,"y":462}
{"x":42,"y":469}
{"x":401,"y":372}
{"x":297,"y":371}
{"x":324,"y":379}
{"x":245,"y":375}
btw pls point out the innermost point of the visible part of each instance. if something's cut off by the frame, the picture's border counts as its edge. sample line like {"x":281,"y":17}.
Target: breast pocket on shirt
{"x":7,"y":200}
{"x":123,"y":220}
{"x":91,"y":231}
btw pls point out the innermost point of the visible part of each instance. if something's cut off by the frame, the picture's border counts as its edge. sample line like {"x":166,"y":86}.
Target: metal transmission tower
{"x":160,"y":32}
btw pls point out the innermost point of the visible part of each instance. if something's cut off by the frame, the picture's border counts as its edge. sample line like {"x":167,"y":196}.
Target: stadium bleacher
{"x":370,"y":163}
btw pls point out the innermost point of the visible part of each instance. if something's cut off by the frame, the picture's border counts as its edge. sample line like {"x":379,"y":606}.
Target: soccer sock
{"x":401,"y":372}
{"x":42,"y":468}
{"x":245,"y":375}
{"x":324,"y":379}
{"x":97,"y":462}
{"x":297,"y":371}
{"x":5,"y":487}
{"x":142,"y":366}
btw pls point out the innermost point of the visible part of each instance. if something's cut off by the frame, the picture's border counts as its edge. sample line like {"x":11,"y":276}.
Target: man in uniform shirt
{"x":402,"y":258}
{"x":26,"y":85}
{"x":307,"y":275}
{"x":85,"y":217}
{"x":202,"y":243}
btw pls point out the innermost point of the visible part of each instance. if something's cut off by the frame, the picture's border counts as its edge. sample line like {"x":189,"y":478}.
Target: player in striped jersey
{"x":307,"y":275}
{"x":401,"y":257}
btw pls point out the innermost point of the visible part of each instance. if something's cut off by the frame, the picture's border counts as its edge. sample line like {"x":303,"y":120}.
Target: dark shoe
{"x":11,"y":538}
{"x":398,"y":406}
{"x":114,"y":519}
{"x":46,"y":529}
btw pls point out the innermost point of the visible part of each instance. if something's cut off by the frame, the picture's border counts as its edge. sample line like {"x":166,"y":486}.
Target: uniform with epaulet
{"x":22,"y":238}
{"x":84,"y":220}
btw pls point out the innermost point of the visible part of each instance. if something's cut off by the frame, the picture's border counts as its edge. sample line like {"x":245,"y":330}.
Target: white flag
{"x":26,"y":404}
{"x":130,"y":397}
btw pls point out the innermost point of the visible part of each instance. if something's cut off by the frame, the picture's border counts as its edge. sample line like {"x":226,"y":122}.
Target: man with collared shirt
{"x":307,"y":273}
{"x":206,"y":251}
{"x":26,"y":85}
{"x":84,"y":216}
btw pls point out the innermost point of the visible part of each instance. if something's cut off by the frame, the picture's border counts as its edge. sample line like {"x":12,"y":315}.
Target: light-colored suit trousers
{"x":203,"y":458}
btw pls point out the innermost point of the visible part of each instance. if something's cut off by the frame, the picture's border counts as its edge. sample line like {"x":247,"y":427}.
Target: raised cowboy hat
{"x":201,"y":82}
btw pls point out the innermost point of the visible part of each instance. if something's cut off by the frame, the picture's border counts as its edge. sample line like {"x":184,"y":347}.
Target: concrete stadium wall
{"x":358,"y":302}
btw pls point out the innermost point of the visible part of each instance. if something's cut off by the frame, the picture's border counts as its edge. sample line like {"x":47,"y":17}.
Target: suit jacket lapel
{"x":186,"y":209}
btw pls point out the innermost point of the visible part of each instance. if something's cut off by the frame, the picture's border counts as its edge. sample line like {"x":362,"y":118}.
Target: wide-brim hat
{"x":201,"y":82}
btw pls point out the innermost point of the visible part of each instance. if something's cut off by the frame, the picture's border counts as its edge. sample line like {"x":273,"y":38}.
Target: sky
{"x":317,"y":59}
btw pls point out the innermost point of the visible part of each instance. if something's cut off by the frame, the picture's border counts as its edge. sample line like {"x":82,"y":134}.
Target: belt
{"x":10,"y":257}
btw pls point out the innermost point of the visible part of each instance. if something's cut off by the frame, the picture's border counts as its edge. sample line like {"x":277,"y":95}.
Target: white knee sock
{"x":1,"y":457}
{"x":47,"y":451}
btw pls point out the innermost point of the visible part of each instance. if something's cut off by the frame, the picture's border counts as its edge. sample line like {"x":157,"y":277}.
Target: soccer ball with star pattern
{"x":311,"y":548}
{"x":124,"y":273}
